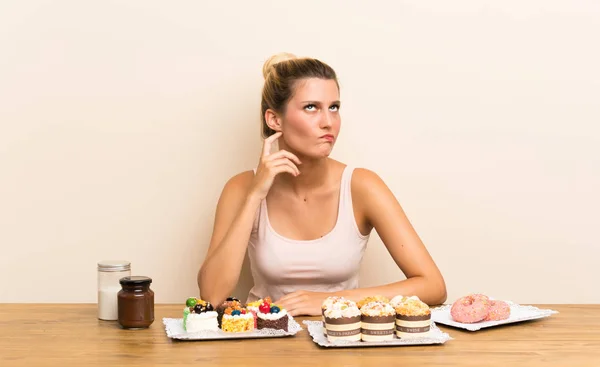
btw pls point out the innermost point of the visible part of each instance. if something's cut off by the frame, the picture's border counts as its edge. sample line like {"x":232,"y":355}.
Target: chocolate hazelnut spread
{"x":135,"y":302}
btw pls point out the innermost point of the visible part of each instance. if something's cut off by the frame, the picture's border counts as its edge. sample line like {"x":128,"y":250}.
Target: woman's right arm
{"x":234,"y":218}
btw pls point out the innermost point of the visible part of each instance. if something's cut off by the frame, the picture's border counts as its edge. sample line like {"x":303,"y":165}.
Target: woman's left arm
{"x":375,"y":206}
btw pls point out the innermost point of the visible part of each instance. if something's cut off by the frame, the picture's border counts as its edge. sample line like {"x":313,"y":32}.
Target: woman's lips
{"x":328,"y":137}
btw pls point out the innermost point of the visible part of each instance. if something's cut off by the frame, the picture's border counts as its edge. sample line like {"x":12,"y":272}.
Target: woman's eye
{"x":310,"y":107}
{"x":334,"y":108}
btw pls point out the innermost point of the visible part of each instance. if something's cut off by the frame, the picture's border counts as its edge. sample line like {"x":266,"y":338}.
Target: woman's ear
{"x":273,"y":121}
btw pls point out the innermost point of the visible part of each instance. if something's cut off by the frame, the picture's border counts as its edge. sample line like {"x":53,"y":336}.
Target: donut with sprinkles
{"x":470,"y":309}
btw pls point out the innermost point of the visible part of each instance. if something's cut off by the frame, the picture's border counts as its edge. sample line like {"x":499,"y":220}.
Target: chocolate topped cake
{"x":271,"y":316}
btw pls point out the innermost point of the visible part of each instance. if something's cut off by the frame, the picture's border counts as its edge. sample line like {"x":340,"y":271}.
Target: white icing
{"x":336,"y":313}
{"x":329,"y":301}
{"x":271,"y":316}
{"x":201,"y":321}
{"x":203,"y":315}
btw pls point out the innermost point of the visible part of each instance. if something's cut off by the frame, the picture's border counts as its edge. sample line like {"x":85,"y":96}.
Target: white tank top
{"x":327,"y":264}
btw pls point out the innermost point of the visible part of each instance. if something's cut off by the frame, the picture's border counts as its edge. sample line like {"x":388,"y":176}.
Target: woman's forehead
{"x":316,"y":89}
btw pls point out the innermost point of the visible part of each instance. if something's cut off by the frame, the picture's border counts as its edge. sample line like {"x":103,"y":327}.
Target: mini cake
{"x":329,"y":301}
{"x":236,"y":320}
{"x":370,"y":299}
{"x":253,"y":308}
{"x":230,"y":302}
{"x":199,"y":315}
{"x":413,"y":318}
{"x":271,"y":316}
{"x":342,"y":321}
{"x":377,"y":322}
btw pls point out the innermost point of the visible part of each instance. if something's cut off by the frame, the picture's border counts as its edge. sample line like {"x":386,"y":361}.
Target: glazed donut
{"x":470,"y":309}
{"x":499,"y":310}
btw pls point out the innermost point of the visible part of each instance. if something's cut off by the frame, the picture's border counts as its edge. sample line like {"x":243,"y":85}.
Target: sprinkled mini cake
{"x":237,"y":320}
{"x":327,"y":303}
{"x":377,"y":322}
{"x":413,"y":318}
{"x":230,"y":302}
{"x":342,"y":320}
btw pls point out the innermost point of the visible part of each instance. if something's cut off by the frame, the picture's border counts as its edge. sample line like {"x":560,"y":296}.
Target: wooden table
{"x":70,"y":335}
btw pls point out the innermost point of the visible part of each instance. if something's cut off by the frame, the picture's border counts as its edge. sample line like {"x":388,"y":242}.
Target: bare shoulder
{"x":241,"y":181}
{"x":368,"y":193}
{"x":236,"y":188}
{"x":366,"y":182}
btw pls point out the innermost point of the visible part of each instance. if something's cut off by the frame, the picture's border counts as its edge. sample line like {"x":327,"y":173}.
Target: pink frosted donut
{"x":499,"y":310}
{"x":470,"y":309}
{"x":480,"y":296}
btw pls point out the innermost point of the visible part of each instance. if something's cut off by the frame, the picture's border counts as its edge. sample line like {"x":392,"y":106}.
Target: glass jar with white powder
{"x":109,"y":274}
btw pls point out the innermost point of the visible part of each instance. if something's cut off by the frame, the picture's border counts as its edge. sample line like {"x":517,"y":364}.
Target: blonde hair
{"x":281,"y":72}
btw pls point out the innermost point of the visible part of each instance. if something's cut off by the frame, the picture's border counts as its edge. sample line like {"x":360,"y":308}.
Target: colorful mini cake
{"x":413,"y":318}
{"x":253,"y":307}
{"x":230,"y":302}
{"x":199,"y":315}
{"x":342,"y":320}
{"x":236,"y":320}
{"x":370,"y":299}
{"x":377,"y":321}
{"x":271,"y":316}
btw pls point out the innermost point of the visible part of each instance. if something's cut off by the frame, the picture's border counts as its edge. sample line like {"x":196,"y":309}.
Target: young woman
{"x":303,"y":217}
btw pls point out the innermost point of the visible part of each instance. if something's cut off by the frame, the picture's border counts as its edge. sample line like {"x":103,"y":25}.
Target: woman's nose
{"x":326,"y":120}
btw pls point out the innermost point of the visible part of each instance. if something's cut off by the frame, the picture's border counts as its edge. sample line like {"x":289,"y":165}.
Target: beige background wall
{"x":121,"y":121}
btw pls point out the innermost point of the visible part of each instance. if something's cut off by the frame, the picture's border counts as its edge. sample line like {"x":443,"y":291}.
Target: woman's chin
{"x":320,"y":152}
{"x":318,"y":155}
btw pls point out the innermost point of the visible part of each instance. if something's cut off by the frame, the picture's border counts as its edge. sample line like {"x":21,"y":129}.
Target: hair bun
{"x":276,"y":59}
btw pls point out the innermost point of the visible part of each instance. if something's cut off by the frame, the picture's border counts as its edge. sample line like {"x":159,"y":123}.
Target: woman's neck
{"x":314,"y":174}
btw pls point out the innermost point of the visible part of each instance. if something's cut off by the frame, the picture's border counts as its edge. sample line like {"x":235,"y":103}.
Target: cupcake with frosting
{"x":342,"y":321}
{"x":327,"y":303}
{"x":370,"y":299}
{"x":413,"y":317}
{"x":377,"y":321}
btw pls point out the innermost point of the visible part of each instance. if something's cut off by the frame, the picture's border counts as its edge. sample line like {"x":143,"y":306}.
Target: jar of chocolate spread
{"x":135,"y":302}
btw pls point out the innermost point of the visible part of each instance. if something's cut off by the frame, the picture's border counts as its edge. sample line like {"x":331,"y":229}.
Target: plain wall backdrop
{"x":122,"y":120}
